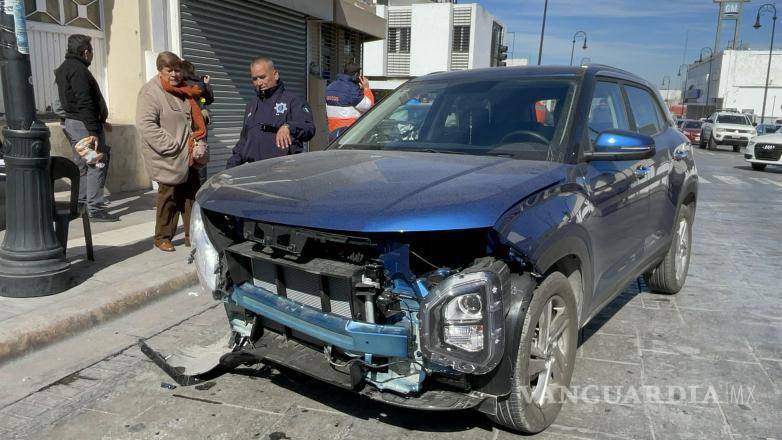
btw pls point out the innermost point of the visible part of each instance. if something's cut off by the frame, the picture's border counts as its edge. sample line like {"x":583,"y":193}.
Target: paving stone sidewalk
{"x":127,"y":273}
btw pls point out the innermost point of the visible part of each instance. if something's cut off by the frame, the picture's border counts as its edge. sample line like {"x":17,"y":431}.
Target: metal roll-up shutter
{"x":221,"y":37}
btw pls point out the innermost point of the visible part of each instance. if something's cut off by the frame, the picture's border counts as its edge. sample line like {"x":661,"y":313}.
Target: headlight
{"x":719,"y":130}
{"x":205,"y":257}
{"x":462,"y":321}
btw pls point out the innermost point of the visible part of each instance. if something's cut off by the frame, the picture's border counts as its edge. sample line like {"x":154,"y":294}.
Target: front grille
{"x":772,"y":154}
{"x":322,"y":284}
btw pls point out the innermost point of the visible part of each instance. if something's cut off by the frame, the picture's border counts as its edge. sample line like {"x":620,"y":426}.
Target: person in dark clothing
{"x":276,"y":122}
{"x":85,"y":117}
{"x":190,"y":77}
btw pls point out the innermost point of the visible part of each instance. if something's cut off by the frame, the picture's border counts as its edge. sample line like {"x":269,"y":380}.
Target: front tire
{"x":669,"y":276}
{"x":758,"y":166}
{"x":712,"y":143}
{"x":544,"y":358}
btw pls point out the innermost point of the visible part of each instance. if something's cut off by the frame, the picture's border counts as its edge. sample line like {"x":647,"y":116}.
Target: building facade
{"x":308,"y":40}
{"x":424,"y":37}
{"x":735,"y":79}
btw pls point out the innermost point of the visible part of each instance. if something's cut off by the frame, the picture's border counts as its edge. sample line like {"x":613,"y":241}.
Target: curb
{"x":60,"y":328}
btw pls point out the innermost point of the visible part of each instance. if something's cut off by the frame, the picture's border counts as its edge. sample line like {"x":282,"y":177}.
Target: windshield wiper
{"x":433,"y":150}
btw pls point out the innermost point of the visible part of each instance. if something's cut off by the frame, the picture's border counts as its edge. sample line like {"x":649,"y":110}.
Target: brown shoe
{"x":165,"y":246}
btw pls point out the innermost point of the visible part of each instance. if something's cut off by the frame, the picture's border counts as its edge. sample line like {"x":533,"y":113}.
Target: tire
{"x":702,"y":141}
{"x":758,"y":166}
{"x":736,"y":148}
{"x":531,"y":405}
{"x":712,"y":144}
{"x":669,"y":276}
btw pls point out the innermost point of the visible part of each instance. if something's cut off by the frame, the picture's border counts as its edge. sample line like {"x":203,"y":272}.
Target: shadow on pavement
{"x":771,"y":169}
{"x":345,"y":401}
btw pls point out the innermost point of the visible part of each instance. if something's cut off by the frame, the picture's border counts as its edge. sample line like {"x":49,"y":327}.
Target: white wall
{"x":375,"y":52}
{"x":430,"y":38}
{"x":480,"y":38}
{"x":744,"y":79}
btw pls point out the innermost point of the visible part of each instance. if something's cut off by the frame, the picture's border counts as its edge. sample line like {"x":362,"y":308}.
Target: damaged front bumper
{"x":347,"y":334}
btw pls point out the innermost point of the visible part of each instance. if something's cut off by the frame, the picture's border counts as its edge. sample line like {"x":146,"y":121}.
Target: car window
{"x":607,"y":110}
{"x":523,"y":119}
{"x":733,"y":119}
{"x":648,"y":119}
{"x":692,"y":124}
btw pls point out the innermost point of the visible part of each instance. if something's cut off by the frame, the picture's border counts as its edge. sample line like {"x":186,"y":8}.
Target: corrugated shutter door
{"x":221,"y":37}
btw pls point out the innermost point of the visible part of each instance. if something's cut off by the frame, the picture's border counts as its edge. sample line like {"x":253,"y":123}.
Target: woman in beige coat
{"x":172,"y":131}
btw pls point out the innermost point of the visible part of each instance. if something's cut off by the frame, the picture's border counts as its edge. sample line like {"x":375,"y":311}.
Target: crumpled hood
{"x":377,"y":191}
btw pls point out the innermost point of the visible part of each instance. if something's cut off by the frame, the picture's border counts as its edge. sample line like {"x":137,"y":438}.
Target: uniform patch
{"x":280,"y":108}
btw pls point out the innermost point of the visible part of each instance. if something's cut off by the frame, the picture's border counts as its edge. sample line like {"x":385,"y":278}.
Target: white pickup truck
{"x":727,"y":128}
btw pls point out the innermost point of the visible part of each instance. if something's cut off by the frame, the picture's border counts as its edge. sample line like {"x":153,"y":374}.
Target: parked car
{"x":451,"y":265}
{"x":764,"y":150}
{"x":727,"y":128}
{"x":766,"y":129}
{"x":692,"y":129}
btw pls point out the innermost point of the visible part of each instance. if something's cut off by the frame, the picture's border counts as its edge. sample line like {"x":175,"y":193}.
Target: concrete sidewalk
{"x":127,"y":273}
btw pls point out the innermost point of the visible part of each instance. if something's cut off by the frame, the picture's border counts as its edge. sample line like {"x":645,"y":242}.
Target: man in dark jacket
{"x":85,"y":116}
{"x":276,"y":122}
{"x":347,"y":98}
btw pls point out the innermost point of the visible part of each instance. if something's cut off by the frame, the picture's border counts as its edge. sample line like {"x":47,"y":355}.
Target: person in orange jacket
{"x":347,"y":98}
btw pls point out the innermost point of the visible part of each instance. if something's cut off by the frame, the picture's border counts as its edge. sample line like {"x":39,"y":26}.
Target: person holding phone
{"x":347,"y":98}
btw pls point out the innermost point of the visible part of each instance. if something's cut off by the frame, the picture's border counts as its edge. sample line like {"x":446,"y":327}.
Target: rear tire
{"x":547,"y":347}
{"x":669,"y":276}
{"x":758,"y":166}
{"x":736,"y":148}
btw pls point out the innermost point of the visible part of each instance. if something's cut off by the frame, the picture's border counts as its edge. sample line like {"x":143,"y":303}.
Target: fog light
{"x":466,"y":337}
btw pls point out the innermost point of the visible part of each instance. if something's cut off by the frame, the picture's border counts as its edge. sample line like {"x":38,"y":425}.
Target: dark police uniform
{"x":263,"y":116}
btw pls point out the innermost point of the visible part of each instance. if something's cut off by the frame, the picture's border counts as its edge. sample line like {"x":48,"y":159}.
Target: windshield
{"x":733,"y":119}
{"x":692,"y":124}
{"x":522,"y":119}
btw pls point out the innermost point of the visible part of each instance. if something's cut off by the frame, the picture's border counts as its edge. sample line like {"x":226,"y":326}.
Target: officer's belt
{"x":268,"y":128}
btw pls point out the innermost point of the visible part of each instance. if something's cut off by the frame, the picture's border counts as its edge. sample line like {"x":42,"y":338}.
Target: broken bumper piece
{"x":347,"y":334}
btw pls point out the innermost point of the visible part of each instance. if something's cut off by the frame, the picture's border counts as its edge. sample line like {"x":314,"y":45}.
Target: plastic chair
{"x":65,"y":212}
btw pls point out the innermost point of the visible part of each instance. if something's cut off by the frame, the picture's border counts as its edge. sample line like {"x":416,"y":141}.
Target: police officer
{"x":276,"y":122}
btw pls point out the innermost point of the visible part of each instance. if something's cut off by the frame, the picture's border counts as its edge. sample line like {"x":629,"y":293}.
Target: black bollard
{"x":32,"y":261}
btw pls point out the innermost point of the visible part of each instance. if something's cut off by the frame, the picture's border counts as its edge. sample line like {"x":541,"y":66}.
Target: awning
{"x":359,"y":16}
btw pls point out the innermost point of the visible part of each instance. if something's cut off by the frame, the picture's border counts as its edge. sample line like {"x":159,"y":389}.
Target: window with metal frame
{"x":461,"y":39}
{"x":79,"y":13}
{"x":399,"y":40}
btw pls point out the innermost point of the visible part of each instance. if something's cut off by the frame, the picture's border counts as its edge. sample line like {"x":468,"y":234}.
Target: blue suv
{"x":446,"y":258}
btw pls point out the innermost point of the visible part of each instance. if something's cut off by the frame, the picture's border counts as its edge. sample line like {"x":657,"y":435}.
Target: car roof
{"x":590,"y":70}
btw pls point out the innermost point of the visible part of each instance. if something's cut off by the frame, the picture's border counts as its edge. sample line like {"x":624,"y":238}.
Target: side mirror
{"x":710,"y":121}
{"x":621,"y":145}
{"x":754,"y":124}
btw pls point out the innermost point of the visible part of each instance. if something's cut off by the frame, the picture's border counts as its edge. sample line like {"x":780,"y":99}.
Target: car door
{"x":649,"y":119}
{"x":614,"y":190}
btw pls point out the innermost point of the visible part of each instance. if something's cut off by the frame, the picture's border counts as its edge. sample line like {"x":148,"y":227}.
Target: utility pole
{"x":32,"y":261}
{"x":542,"y":32}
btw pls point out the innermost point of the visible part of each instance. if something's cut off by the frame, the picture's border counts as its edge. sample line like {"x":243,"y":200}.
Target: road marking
{"x":703,"y":179}
{"x":730,"y":180}
{"x":766,"y":181}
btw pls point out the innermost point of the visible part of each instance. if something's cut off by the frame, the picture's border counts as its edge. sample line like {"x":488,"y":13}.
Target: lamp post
{"x":667,"y":88}
{"x":542,"y":32}
{"x":708,"y":74}
{"x":32,"y":261}
{"x":768,"y":7}
{"x":573,"y":48}
{"x":684,"y":87}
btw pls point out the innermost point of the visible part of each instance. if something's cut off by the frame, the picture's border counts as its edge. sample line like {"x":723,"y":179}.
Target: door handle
{"x":641,"y":171}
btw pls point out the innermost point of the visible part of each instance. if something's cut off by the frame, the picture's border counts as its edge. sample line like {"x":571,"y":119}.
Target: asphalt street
{"x":706,"y":363}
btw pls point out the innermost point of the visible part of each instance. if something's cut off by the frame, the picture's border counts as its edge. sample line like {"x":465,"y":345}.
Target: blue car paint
{"x":353,"y":336}
{"x":600,"y":212}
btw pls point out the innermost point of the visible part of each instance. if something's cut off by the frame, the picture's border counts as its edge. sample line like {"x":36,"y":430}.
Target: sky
{"x":646,"y":37}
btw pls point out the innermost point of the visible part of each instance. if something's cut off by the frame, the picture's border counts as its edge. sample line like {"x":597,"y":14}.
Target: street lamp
{"x":542,"y":31}
{"x":708,"y":75}
{"x":684,"y":87}
{"x":32,"y":261}
{"x":573,"y":48}
{"x":666,"y":88}
{"x":768,"y":7}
